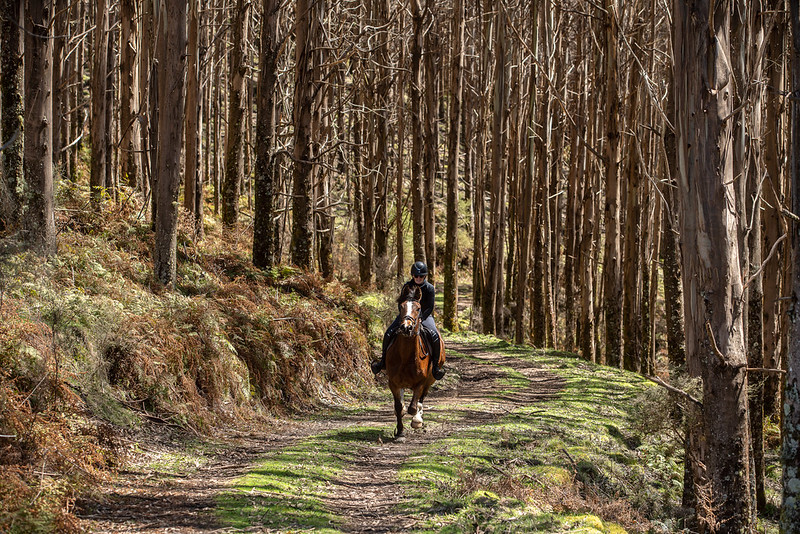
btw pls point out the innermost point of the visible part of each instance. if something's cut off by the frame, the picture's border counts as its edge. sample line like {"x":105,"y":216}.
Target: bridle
{"x":409,"y":307}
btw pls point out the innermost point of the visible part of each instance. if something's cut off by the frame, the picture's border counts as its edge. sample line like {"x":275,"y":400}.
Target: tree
{"x":171,"y":57}
{"x":193,"y":183}
{"x":612,"y":254}
{"x":100,"y":126}
{"x":302,"y":209}
{"x":493,"y":290}
{"x":233,"y":138}
{"x":415,"y":87}
{"x":129,"y":97}
{"x":790,"y":449}
{"x":263,"y":223}
{"x":39,"y":223}
{"x":715,"y":345}
{"x":453,"y":142}
{"x":11,"y":127}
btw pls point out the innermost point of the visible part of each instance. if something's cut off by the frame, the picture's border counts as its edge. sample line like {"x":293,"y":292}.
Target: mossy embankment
{"x":93,"y":352}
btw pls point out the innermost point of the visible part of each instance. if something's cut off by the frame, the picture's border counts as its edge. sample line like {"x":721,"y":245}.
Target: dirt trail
{"x":150,"y":502}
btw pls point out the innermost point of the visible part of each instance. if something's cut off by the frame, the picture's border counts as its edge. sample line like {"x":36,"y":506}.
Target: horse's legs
{"x":397,"y":393}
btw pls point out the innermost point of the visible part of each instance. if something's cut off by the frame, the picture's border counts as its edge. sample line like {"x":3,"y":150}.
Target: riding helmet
{"x":419,"y":269}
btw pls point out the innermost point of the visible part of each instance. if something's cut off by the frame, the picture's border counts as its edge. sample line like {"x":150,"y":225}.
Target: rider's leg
{"x":388,"y":337}
{"x":436,"y":347}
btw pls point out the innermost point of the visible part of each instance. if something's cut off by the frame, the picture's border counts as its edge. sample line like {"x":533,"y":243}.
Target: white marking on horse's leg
{"x":417,"y":421}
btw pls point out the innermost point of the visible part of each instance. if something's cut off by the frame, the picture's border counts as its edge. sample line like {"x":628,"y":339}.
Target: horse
{"x":408,"y":364}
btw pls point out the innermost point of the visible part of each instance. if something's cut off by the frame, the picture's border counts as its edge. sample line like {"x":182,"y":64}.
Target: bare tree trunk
{"x":171,"y":56}
{"x":61,"y":21}
{"x":129,"y":93}
{"x":417,"y":221}
{"x":39,"y":222}
{"x":100,"y":130}
{"x":192,"y":181}
{"x":233,"y":139}
{"x":302,"y":209}
{"x":612,"y":256}
{"x":493,"y":289}
{"x":774,"y":226}
{"x":382,"y":147}
{"x":715,"y":343}
{"x":400,"y":262}
{"x":449,"y":319}
{"x":430,"y":157}
{"x":790,"y":451}
{"x":12,"y":126}
{"x":264,"y":224}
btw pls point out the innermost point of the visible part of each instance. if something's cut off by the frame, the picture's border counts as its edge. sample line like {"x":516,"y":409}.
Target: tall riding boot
{"x":378,"y":366}
{"x":436,"y":350}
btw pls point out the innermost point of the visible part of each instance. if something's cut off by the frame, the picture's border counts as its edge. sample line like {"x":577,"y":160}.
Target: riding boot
{"x":378,"y":366}
{"x":436,"y":350}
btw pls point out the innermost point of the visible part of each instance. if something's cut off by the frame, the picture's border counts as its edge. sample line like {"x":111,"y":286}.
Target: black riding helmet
{"x":419,"y":269}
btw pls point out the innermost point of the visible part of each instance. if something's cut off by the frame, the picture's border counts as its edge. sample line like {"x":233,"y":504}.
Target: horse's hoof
{"x":416,"y":424}
{"x":400,"y":438}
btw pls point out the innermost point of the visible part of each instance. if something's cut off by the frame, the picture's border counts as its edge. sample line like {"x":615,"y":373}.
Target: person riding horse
{"x":419,"y":273}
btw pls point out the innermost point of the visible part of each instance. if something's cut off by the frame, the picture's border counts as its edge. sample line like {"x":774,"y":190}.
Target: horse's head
{"x":409,"y":308}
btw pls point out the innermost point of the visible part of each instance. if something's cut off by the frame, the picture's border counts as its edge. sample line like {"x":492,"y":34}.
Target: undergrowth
{"x":92,"y":347}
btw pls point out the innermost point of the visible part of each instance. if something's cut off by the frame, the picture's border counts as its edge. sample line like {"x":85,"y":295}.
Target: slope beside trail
{"x":144,"y":500}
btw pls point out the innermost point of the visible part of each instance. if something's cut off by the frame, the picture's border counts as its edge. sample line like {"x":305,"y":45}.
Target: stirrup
{"x":438,"y":373}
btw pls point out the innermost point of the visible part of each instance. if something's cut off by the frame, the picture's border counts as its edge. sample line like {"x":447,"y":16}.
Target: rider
{"x":419,"y":271}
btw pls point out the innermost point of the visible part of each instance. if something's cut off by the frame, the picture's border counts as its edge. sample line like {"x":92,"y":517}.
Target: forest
{"x":616,"y":179}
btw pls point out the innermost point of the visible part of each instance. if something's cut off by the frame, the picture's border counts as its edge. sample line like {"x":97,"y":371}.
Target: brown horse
{"x":408,"y":364}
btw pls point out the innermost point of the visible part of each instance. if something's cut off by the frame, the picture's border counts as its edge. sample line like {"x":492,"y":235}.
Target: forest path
{"x":366,"y":494}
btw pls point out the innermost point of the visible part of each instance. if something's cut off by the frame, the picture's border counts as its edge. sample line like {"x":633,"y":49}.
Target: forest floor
{"x":169,"y":487}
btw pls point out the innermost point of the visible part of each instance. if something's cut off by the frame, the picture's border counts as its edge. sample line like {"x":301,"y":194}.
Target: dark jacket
{"x":428,"y":298}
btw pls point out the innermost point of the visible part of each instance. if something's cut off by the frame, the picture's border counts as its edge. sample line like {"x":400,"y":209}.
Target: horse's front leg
{"x":415,"y":408}
{"x":397,"y":393}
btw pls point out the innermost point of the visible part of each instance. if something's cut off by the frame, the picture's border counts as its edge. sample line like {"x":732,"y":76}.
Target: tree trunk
{"x":430,"y":155}
{"x":493,"y":288}
{"x":453,"y":143}
{"x":59,"y":83}
{"x":790,"y":451}
{"x":264,"y":222}
{"x":612,"y":256}
{"x":129,"y":93}
{"x":715,"y":343}
{"x":415,"y":86}
{"x":100,"y":130}
{"x":232,"y":182}
{"x":192,"y":181}
{"x":171,"y":57}
{"x":774,"y":226}
{"x":302,"y":209}
{"x":39,"y":222}
{"x":12,"y":125}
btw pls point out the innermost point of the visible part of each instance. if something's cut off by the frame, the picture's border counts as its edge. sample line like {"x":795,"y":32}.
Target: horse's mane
{"x":409,"y":292}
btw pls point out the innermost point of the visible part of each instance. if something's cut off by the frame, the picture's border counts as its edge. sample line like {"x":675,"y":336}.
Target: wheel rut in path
{"x":367,"y":493}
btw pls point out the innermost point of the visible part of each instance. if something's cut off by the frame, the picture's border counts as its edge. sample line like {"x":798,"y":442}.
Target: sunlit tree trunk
{"x":234,"y":134}
{"x":715,"y":344}
{"x":264,"y":223}
{"x":302,"y":209}
{"x":493,"y":289}
{"x":38,"y":203}
{"x":415,"y":94}
{"x":171,"y":57}
{"x":100,"y":128}
{"x":453,"y":144}
{"x":192,"y":189}
{"x":129,"y":93}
